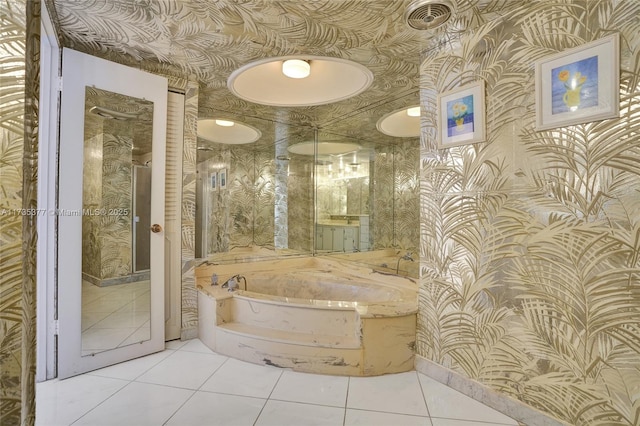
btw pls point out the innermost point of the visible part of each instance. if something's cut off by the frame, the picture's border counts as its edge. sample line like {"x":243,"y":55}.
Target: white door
{"x":112,"y":118}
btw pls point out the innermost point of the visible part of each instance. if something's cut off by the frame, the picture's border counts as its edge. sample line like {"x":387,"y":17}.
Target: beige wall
{"x":530,"y":249}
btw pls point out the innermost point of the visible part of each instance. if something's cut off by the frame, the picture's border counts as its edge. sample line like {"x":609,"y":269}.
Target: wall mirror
{"x":116,"y":217}
{"x":368,"y":202}
{"x":253,"y":199}
{"x":344,"y":189}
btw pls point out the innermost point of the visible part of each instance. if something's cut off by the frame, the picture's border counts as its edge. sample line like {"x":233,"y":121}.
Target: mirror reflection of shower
{"x":116,"y":215}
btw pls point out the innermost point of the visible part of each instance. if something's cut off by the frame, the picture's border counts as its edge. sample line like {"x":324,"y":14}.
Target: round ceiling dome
{"x":227,"y":131}
{"x":317,"y":80}
{"x":402,"y":123}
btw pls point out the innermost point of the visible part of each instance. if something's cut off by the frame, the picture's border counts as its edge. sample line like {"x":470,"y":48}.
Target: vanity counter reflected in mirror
{"x":346,"y":190}
{"x":116,"y":221}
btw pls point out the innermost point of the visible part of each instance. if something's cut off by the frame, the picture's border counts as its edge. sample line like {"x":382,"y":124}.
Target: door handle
{"x":155,"y":228}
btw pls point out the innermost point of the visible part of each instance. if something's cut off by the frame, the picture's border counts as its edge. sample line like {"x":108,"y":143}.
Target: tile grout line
{"x":310,"y":403}
{"x":346,"y":401}
{"x":193,"y":391}
{"x":180,"y":407}
{"x":424,"y":398}
{"x":154,"y":365}
{"x":102,"y":402}
{"x":268,"y":397}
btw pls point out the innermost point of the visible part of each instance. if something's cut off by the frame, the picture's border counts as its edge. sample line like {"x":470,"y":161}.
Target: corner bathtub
{"x":314,"y":315}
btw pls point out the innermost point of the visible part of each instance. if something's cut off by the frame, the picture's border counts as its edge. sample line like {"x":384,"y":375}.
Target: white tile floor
{"x":188,"y":385}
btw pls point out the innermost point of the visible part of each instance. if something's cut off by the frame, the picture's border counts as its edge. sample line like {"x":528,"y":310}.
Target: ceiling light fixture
{"x":225,"y":123}
{"x":211,"y":130}
{"x":401,"y":123}
{"x":331,"y":80}
{"x":296,"y":68}
{"x":413,"y":111}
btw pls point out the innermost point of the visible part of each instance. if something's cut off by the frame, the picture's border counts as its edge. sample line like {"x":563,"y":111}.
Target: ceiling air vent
{"x":428,"y":14}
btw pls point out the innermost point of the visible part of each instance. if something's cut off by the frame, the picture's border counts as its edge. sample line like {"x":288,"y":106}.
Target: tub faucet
{"x":214,"y":279}
{"x":244,"y":280}
{"x":407,"y":256}
{"x":233,"y":283}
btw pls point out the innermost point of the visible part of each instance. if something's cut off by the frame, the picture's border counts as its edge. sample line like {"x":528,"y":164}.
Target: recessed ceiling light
{"x":332,"y":80}
{"x":225,"y":123}
{"x":239,"y":133}
{"x":296,"y":68}
{"x":400,"y":123}
{"x":413,"y":111}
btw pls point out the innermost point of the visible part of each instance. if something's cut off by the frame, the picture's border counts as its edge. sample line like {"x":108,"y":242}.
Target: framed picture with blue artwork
{"x":461,"y":116}
{"x":579,"y":85}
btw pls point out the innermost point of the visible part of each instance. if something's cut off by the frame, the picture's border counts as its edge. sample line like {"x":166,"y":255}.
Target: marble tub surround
{"x":316,"y":281}
{"x":388,"y":260}
{"x":310,"y":314}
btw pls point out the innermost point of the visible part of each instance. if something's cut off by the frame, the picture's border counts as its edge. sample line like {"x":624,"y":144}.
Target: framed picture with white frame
{"x":579,"y":85}
{"x":461,"y":116}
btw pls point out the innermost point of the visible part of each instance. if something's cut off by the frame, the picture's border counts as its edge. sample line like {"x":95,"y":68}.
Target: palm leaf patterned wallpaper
{"x":395,"y":194}
{"x":19,"y":40}
{"x":12,"y":54}
{"x":531,"y":241}
{"x":210,"y":39}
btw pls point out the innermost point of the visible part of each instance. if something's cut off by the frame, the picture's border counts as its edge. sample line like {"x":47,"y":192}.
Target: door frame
{"x":46,"y":254}
{"x":46,"y":294}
